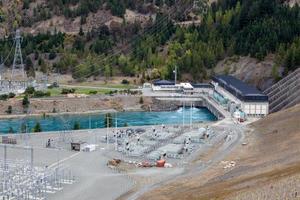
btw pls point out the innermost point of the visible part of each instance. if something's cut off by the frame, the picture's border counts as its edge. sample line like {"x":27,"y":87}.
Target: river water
{"x":120,"y":119}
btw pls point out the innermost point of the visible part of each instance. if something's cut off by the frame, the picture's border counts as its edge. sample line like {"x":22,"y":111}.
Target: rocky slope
{"x":267,"y":167}
{"x":250,"y":70}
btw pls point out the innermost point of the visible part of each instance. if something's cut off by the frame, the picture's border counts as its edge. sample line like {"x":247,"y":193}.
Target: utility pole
{"x":107,"y":120}
{"x":183,"y":106}
{"x":116,"y":135}
{"x":175,"y":72}
{"x":90,"y":122}
{"x":18,"y":59}
{"x":191,"y":115}
{"x":1,"y":68}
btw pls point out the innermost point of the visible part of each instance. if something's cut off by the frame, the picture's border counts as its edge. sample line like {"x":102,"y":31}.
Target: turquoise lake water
{"x":66,"y":122}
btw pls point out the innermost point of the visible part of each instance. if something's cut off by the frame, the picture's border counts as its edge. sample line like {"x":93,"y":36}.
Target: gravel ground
{"x":93,"y":178}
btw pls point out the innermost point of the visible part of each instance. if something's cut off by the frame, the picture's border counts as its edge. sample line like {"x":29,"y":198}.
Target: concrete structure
{"x":204,"y":88}
{"x":285,"y":93}
{"x":247,"y":98}
{"x":171,"y":150}
{"x":165,"y":86}
{"x":169,"y":86}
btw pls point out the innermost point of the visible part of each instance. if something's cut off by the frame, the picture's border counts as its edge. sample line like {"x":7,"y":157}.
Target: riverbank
{"x":89,"y":105}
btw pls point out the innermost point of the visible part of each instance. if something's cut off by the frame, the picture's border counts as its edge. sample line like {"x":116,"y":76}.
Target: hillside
{"x":268,"y":167}
{"x":39,"y":16}
{"x":251,"y":70}
{"x":105,"y":38}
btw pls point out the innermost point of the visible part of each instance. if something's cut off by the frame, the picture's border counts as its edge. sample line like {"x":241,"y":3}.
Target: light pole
{"x":191,"y":115}
{"x":95,"y":132}
{"x":107,"y":125}
{"x":175,"y":72}
{"x":90,"y":122}
{"x":183,"y":113}
{"x":116,"y":130}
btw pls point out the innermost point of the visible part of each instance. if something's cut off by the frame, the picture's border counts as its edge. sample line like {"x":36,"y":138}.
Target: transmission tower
{"x":18,"y":65}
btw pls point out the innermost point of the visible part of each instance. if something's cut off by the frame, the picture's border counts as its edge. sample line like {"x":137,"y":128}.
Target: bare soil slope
{"x":268,"y":167}
{"x":250,"y":70}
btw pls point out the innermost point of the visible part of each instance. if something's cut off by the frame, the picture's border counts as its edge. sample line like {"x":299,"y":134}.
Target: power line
{"x":186,"y":6}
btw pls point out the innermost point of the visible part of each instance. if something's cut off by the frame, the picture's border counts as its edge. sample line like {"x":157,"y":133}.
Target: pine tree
{"x":108,"y":120}
{"x":37,"y":128}
{"x":76,"y":126}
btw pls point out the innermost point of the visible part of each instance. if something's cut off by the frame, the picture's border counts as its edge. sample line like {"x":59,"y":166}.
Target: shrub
{"x":11,"y":130}
{"x":125,"y":82}
{"x":93,"y":92}
{"x":3,"y":97}
{"x":68,"y":91}
{"x":37,"y":128}
{"x":29,"y":90}
{"x":11,"y":95}
{"x":52,"y":55}
{"x":141,"y":100}
{"x":76,"y":126}
{"x":9,"y":110}
{"x":39,"y":94}
{"x":108,"y":120}
{"x":25,"y":101}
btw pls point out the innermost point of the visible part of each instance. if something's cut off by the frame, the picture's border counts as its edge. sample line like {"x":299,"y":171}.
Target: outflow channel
{"x":120,"y":119}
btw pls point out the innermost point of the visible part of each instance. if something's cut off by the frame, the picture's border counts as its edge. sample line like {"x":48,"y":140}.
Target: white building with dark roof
{"x":248,"y":98}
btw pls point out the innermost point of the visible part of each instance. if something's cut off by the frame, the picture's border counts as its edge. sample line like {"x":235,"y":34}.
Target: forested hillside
{"x":150,"y":44}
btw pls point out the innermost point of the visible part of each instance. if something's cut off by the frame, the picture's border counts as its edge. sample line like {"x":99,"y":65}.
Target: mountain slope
{"x":268,"y":167}
{"x":105,"y":38}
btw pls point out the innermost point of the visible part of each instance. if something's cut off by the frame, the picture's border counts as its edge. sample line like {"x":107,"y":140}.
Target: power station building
{"x":231,"y":91}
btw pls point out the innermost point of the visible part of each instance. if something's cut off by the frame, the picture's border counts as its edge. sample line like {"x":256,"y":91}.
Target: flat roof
{"x":163,"y":82}
{"x":202,"y":85}
{"x":240,"y":89}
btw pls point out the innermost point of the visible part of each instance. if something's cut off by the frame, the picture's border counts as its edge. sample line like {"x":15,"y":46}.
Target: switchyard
{"x":55,"y":171}
{"x":174,"y":143}
{"x":21,"y":179}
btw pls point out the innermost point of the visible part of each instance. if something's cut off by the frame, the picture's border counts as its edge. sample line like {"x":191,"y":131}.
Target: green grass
{"x":57,"y":91}
{"x":116,"y":86}
{"x":87,"y":90}
{"x":119,"y":86}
